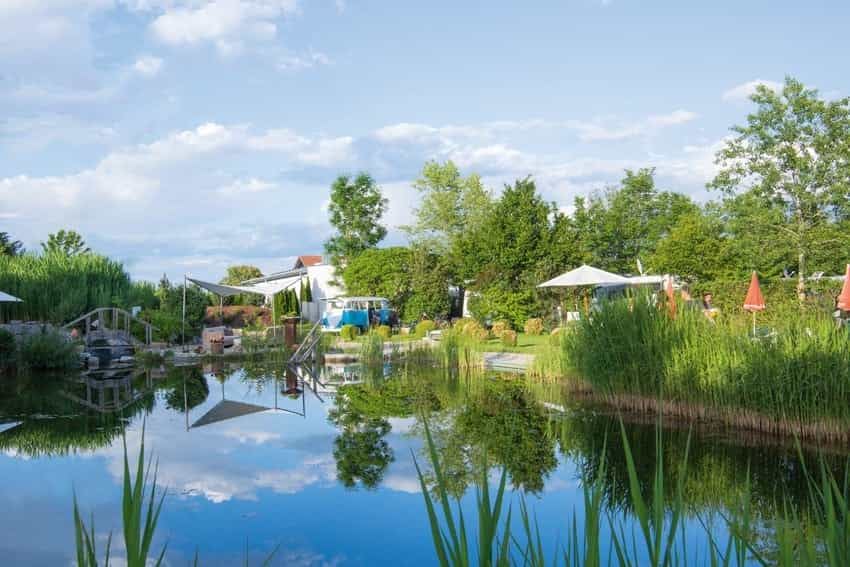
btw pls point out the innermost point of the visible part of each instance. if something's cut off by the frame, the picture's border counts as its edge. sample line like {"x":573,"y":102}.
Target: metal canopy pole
{"x":184,"y":313}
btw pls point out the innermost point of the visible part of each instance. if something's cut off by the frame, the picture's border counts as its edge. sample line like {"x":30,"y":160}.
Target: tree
{"x":355,"y":210}
{"x":66,"y":242}
{"x":429,"y":286}
{"x":623,"y":225}
{"x":793,"y":153}
{"x":235,"y":276}
{"x":695,"y":249}
{"x":382,"y":272}
{"x":450,"y":215}
{"x":9,"y":247}
{"x":515,"y":239}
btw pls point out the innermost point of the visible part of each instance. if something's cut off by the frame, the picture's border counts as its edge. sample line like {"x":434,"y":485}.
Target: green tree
{"x":794,"y":153}
{"x":695,"y":249}
{"x":382,"y":272}
{"x":429,"y":286}
{"x":67,"y":242}
{"x":362,"y":454}
{"x":450,"y":216}
{"x":9,"y":247}
{"x":624,"y":224}
{"x":516,"y":240}
{"x":235,"y":276}
{"x":356,"y":209}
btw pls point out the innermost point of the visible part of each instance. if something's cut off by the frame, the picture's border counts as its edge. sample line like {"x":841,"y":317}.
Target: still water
{"x":320,"y":465}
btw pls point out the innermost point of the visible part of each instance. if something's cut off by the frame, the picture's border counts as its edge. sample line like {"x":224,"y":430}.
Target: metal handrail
{"x":307,"y":345}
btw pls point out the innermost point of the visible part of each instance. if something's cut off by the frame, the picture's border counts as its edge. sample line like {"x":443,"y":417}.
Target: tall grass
{"x":57,"y":287}
{"x":47,"y":350}
{"x":792,"y":379}
{"x":653,"y":534}
{"x":141,"y":506}
{"x":372,"y":350}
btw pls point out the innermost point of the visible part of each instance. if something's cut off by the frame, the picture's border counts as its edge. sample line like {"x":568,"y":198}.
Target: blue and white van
{"x":361,"y":312}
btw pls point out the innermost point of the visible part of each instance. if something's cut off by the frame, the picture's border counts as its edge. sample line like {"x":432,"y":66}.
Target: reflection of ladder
{"x":307,"y":348}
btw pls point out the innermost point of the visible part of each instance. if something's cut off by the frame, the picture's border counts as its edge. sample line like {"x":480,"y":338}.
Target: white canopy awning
{"x":6,"y":298}
{"x":585,"y":275}
{"x":262,"y":288}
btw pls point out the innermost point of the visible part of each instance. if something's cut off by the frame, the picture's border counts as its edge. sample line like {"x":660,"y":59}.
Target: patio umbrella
{"x":844,"y":296}
{"x":755,"y":300}
{"x":585,"y":276}
{"x":6,"y":298}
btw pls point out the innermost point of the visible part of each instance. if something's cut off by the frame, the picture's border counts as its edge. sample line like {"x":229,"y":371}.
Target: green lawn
{"x":526,"y":344}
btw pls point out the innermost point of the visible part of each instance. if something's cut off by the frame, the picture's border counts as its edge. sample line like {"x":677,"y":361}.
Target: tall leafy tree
{"x":793,"y":153}
{"x":235,"y":276}
{"x":10,"y":247}
{"x":356,"y":209}
{"x":67,"y":242}
{"x":695,"y":248}
{"x":451,"y":213}
{"x":624,"y":224}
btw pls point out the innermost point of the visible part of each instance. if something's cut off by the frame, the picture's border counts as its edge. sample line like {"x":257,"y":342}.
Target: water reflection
{"x":237,"y":442}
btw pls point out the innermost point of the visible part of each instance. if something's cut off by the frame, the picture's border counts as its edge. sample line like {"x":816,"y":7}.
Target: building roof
{"x":307,"y":261}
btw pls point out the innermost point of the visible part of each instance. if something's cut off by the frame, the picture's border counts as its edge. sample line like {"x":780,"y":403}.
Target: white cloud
{"x":148,"y":66}
{"x":242,"y":186}
{"x":744,"y":91}
{"x":224,"y":23}
{"x":299,"y":62}
{"x":601,"y":130}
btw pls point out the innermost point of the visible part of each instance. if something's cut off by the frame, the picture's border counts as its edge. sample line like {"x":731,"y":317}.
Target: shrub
{"x":500,"y":327}
{"x":7,"y":347}
{"x":384,"y":331}
{"x":508,"y":338}
{"x":534,"y":326}
{"x":424,"y":327}
{"x":48,"y":350}
{"x":474,"y":330}
{"x":349,"y":332}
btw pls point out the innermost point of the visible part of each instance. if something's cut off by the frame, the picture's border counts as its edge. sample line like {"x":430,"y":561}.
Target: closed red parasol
{"x":755,"y":300}
{"x":844,"y":297}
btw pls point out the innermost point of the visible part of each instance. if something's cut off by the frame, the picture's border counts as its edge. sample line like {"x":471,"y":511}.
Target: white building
{"x":321,"y":277}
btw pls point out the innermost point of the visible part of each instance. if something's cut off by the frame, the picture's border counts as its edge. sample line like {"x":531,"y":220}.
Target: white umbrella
{"x":585,"y":275}
{"x":6,"y":298}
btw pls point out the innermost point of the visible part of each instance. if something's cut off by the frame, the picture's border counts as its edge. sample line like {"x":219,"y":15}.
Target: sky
{"x":183,"y":136}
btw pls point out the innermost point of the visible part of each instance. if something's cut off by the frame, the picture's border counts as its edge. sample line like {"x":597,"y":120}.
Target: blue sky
{"x":186,"y":135}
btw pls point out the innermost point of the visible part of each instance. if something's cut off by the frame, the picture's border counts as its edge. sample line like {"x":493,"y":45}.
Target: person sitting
{"x":708,"y":308}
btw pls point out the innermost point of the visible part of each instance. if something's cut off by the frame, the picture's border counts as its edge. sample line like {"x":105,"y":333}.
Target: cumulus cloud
{"x":744,"y":91}
{"x":224,"y":23}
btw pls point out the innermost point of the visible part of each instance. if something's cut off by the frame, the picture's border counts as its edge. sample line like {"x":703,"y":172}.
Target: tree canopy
{"x":356,"y":208}
{"x":66,"y":242}
{"x":793,"y":156}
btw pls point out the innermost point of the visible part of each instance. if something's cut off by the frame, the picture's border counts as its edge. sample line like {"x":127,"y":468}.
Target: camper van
{"x":362,"y":312}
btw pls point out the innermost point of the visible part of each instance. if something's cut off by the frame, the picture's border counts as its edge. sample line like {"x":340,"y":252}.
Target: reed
{"x":652,"y":533}
{"x":372,"y":350}
{"x":793,"y":378}
{"x":57,"y":287}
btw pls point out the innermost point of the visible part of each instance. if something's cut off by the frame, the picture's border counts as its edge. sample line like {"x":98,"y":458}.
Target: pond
{"x":320,"y":465}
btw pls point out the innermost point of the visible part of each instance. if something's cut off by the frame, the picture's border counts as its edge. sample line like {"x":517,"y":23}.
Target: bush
{"x":349,"y":332}
{"x":7,"y":348}
{"x":508,"y":338}
{"x":424,"y":327}
{"x":474,"y":330}
{"x":500,"y":327}
{"x":49,"y":350}
{"x":534,"y":326}
{"x":384,"y":331}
